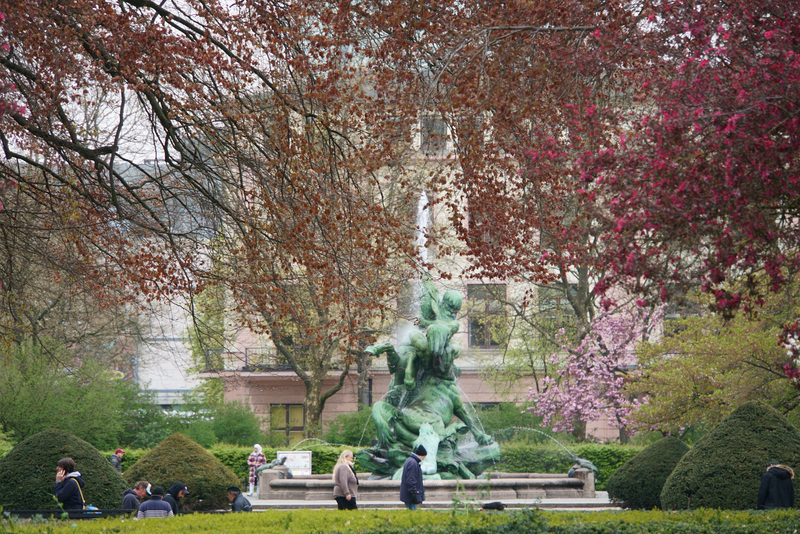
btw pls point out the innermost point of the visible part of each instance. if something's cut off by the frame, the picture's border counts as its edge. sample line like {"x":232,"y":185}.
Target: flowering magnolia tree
{"x":589,"y":383}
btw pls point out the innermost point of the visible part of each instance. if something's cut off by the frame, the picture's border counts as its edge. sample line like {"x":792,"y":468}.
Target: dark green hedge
{"x":638,"y":483}
{"x":550,"y":458}
{"x":331,"y":521}
{"x":323,"y":458}
{"x":27,"y":473}
{"x":723,"y":469}
{"x":178,"y":458}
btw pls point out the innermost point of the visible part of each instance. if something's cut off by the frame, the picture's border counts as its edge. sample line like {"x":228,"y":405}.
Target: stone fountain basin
{"x":499,"y":487}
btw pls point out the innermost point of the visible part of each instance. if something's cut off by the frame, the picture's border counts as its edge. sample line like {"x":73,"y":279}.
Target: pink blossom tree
{"x":591,"y":372}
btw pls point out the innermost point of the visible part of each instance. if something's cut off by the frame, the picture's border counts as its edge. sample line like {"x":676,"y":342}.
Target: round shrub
{"x":723,"y":469}
{"x":179,"y":459}
{"x":638,"y":482}
{"x":28,"y":473}
{"x":355,"y":429}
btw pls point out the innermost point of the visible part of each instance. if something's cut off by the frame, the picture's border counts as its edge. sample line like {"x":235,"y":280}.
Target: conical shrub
{"x":723,"y":469}
{"x":179,"y":459}
{"x":638,"y":482}
{"x":28,"y":473}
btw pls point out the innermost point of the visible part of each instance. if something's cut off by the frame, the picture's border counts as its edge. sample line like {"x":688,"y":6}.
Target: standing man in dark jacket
{"x":776,"y":490}
{"x":116,"y":460}
{"x":174,"y":494}
{"x":132,"y":498}
{"x":69,"y":483}
{"x":412,"y":491}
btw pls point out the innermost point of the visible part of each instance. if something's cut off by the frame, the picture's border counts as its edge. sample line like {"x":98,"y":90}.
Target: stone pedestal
{"x":499,"y":487}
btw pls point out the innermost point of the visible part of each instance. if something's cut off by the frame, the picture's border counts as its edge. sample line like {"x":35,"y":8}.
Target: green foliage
{"x":227,"y":422}
{"x":178,"y":458}
{"x":355,"y":429}
{"x":202,"y":432}
{"x":724,"y":468}
{"x":730,"y":361}
{"x":549,"y":458}
{"x":145,"y":424}
{"x":206,"y":337}
{"x":130,"y":457}
{"x":638,"y":483}
{"x":234,"y":457}
{"x":37,"y":393}
{"x":527,"y":521}
{"x":233,"y":422}
{"x":276,"y":440}
{"x":510,"y":422}
{"x":27,"y":473}
{"x":5,"y":444}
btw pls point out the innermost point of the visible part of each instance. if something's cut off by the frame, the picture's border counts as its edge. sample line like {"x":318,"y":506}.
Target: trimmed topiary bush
{"x":28,"y":473}
{"x":179,"y":459}
{"x":638,"y":483}
{"x":724,"y":468}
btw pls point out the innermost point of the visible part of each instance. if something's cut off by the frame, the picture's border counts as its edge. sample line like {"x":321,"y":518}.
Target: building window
{"x":433,"y":135}
{"x":486,"y":315}
{"x":288,"y":419}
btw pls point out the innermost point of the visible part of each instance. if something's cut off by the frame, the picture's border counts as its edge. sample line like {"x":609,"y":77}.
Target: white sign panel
{"x":298,"y":461}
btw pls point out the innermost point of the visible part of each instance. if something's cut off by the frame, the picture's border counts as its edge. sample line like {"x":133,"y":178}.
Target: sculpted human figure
{"x":423,"y":398}
{"x":434,"y":349}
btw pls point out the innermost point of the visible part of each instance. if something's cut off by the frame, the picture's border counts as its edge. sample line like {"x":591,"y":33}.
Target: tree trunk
{"x":364,"y":362}
{"x":579,"y":431}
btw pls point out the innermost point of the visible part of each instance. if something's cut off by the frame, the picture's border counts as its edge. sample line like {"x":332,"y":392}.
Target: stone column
{"x":264,"y":478}
{"x":587,"y":475}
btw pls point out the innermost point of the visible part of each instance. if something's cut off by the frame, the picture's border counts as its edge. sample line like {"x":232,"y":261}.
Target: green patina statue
{"x":423,"y":404}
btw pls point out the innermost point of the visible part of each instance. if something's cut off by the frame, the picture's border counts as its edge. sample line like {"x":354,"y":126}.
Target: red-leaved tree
{"x":703,"y":187}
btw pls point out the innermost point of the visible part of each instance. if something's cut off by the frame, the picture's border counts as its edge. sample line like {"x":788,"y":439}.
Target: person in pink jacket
{"x":255,"y":460}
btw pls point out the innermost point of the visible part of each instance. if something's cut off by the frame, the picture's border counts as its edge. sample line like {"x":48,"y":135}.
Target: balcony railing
{"x":253,"y":359}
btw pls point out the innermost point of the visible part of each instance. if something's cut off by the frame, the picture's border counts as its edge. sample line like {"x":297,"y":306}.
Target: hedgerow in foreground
{"x":440,"y":522}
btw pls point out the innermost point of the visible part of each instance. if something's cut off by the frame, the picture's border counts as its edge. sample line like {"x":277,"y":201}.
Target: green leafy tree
{"x":207,"y":340}
{"x":355,"y":429}
{"x":5,"y":444}
{"x":45,"y":385}
{"x":509,"y":422}
{"x":234,"y":422}
{"x":704,"y":366}
{"x":144,"y":424}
